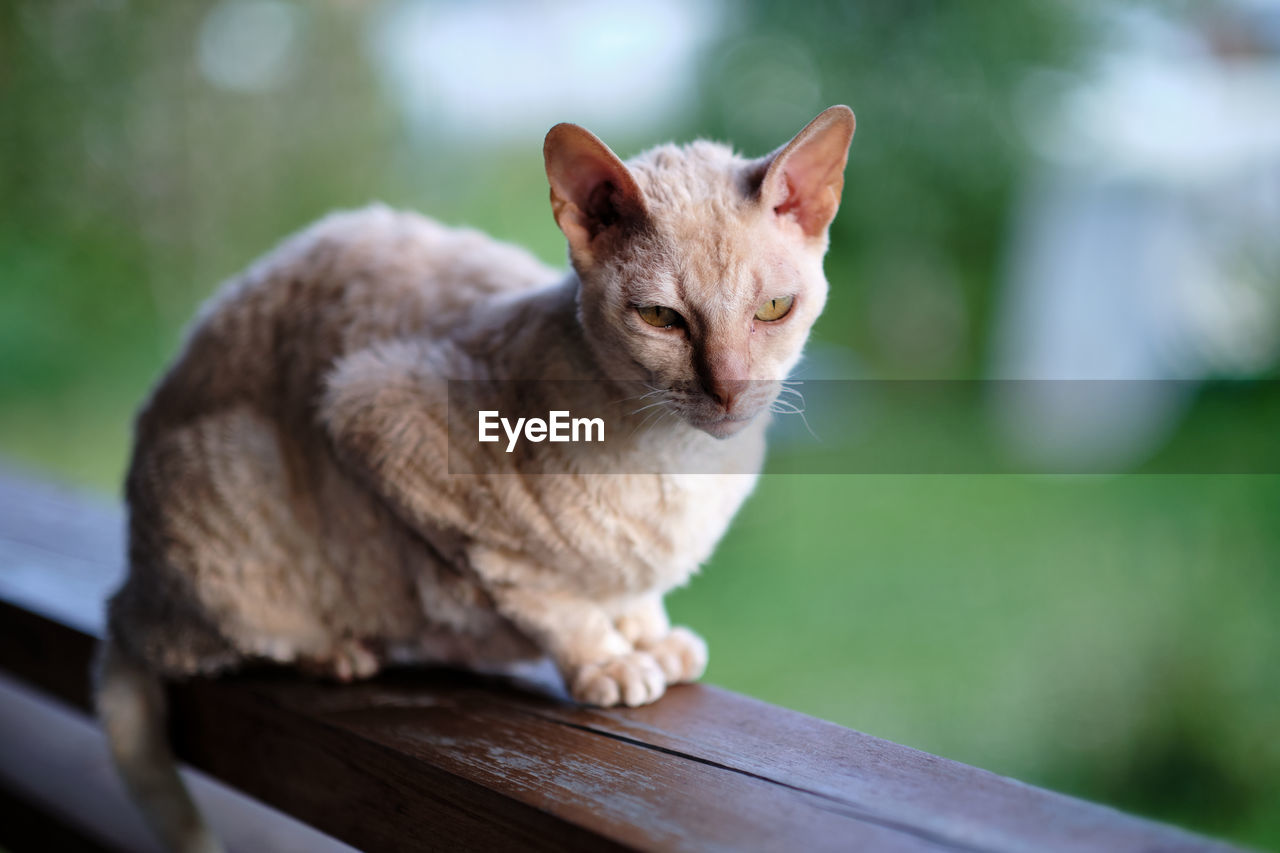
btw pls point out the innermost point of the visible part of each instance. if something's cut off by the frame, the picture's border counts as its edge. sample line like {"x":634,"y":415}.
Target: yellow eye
{"x":775,"y":309}
{"x":660,"y":316}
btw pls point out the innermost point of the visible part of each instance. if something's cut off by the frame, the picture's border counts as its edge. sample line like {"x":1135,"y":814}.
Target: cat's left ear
{"x":803,"y":178}
{"x":592,"y":191}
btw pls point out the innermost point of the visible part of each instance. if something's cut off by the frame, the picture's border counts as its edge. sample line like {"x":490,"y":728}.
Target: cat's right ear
{"x":592,"y":191}
{"x":803,"y":179}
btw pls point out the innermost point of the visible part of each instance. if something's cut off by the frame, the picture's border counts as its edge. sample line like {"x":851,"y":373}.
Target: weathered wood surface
{"x":59,"y":790}
{"x":439,"y":760}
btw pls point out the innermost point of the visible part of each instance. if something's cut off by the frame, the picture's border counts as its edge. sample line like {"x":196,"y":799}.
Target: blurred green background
{"x":1115,"y":637}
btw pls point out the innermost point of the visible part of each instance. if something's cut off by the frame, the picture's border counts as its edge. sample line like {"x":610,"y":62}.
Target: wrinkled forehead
{"x":708,"y":244}
{"x":731,"y":263}
{"x":720,"y":257}
{"x":705,"y":260}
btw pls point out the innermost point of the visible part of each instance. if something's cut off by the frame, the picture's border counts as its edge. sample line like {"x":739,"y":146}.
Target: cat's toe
{"x":631,"y":626}
{"x":353,"y":661}
{"x":682,"y":655}
{"x":632,"y":679}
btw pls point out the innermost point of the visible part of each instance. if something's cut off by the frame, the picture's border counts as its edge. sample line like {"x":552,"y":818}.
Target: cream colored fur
{"x":290,"y":496}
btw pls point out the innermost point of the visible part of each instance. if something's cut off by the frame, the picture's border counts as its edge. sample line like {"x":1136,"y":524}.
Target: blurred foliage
{"x":934,"y":162}
{"x":1112,"y":637}
{"x":1109,"y":637}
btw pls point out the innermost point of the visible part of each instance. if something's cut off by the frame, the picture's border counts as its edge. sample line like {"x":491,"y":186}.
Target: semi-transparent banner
{"x":867,"y":427}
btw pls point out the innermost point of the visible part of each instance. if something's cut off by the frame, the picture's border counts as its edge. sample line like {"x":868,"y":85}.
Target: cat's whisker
{"x":650,"y":417}
{"x":808,"y":428}
{"x":667,"y":414}
{"x":652,"y":420}
{"x":797,"y":405}
{"x":638,"y":397}
{"x":795,"y":398}
{"x":785,"y":407}
{"x":650,"y":406}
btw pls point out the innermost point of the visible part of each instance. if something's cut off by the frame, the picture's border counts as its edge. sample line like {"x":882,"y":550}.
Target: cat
{"x":290,"y":497}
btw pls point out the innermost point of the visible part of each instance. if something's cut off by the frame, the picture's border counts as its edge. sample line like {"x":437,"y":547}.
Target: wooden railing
{"x":426,"y":760}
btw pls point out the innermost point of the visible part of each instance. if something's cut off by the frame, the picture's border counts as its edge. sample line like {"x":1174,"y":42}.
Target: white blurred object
{"x":495,"y":69}
{"x":248,"y":45}
{"x":1146,"y":248}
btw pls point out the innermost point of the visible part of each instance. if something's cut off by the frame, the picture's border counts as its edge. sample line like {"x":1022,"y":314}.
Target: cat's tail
{"x":131,"y":705}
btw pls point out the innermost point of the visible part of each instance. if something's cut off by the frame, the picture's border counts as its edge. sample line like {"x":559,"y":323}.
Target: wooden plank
{"x":444,"y":759}
{"x":616,"y":791}
{"x":56,"y":778}
{"x":27,"y":826}
{"x":432,"y":759}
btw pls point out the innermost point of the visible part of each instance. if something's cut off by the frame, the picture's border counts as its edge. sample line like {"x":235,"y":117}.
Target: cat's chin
{"x":723,"y":426}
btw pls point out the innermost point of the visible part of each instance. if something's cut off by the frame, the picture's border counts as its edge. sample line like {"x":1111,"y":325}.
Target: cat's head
{"x":701,"y":271}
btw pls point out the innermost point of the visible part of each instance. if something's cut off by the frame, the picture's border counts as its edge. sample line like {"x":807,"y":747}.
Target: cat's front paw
{"x":349,"y":660}
{"x":631,"y":679}
{"x":681,"y":653}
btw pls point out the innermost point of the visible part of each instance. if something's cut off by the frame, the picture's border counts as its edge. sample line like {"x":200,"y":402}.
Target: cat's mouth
{"x":721,"y":426}
{"x":701,"y":412}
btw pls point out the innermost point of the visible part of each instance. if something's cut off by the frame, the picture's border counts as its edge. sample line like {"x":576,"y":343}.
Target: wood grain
{"x":433,"y":759}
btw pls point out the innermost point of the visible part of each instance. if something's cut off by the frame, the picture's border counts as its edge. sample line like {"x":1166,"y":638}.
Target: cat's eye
{"x":660,"y":316}
{"x":775,"y":309}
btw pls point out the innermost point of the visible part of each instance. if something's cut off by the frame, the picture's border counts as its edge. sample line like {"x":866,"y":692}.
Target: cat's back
{"x":240,"y":520}
{"x":268,"y":336}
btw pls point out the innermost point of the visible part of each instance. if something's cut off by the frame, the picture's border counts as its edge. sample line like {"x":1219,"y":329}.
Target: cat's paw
{"x":355,"y":661}
{"x":350,"y":660}
{"x":682,"y":655}
{"x":631,"y":679}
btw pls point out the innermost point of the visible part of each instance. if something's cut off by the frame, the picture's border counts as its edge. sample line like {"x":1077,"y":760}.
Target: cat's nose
{"x":726,"y":391}
{"x":723,"y":370}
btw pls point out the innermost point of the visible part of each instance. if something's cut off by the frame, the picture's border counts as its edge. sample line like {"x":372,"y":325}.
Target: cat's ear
{"x":803,"y":178}
{"x":592,"y":191}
